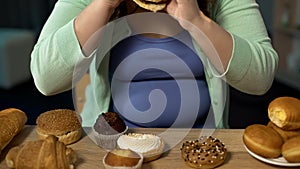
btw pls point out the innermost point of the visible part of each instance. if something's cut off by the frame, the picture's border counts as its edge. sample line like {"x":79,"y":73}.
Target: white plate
{"x":275,"y":161}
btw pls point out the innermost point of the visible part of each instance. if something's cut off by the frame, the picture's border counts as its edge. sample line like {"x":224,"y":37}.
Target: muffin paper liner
{"x":107,"y":142}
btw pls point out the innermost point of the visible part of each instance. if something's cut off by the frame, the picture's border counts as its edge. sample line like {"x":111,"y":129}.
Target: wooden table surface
{"x":90,"y":155}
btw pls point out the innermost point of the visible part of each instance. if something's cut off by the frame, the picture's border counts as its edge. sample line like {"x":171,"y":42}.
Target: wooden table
{"x":90,"y":155}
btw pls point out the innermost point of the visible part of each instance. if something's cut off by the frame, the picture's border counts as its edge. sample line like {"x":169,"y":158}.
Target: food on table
{"x":62,"y":123}
{"x":263,"y":140}
{"x":152,"y":5}
{"x":285,"y":134}
{"x":149,"y":145}
{"x":49,"y":153}
{"x":12,"y":121}
{"x":107,"y":129}
{"x":205,"y":152}
{"x":122,"y":159}
{"x":285,"y":112}
{"x":291,"y":150}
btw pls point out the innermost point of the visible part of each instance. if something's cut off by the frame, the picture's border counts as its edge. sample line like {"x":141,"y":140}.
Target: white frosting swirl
{"x":139,"y":142}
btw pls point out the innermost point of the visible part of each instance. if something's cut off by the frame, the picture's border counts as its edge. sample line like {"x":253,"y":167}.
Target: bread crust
{"x":291,"y":150}
{"x":154,"y":7}
{"x":48,"y":153}
{"x":12,"y":121}
{"x":62,"y":123}
{"x":285,"y":112}
{"x":122,"y":158}
{"x":285,"y":134}
{"x":263,"y":140}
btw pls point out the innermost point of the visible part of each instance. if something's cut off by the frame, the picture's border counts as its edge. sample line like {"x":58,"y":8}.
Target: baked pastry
{"x":149,"y":145}
{"x":41,"y":154}
{"x":62,"y":123}
{"x":122,"y":158}
{"x":152,"y":5}
{"x":12,"y":121}
{"x":285,"y":112}
{"x":107,"y":129}
{"x":205,"y":152}
{"x":291,"y":150}
{"x":285,"y":134}
{"x":263,"y":140}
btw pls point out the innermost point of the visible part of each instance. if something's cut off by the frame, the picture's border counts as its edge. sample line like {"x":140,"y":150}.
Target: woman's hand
{"x":186,"y":11}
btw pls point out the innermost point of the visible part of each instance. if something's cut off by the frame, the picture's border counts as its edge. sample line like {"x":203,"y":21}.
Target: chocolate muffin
{"x":109,"y":123}
{"x":107,"y":129}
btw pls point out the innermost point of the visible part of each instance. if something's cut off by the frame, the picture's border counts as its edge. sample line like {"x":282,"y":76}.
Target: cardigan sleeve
{"x":57,"y":50}
{"x":254,"y":61}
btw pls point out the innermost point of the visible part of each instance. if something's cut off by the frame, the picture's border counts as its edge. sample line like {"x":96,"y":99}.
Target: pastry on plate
{"x":263,"y":140}
{"x":291,"y":150}
{"x":285,"y":134}
{"x":149,"y":145}
{"x":62,"y":123}
{"x":109,"y":126}
{"x":205,"y":152}
{"x":122,"y":159}
{"x":285,"y":112}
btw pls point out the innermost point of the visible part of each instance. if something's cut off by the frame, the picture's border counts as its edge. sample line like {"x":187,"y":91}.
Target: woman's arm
{"x":247,"y":59}
{"x":60,"y":45}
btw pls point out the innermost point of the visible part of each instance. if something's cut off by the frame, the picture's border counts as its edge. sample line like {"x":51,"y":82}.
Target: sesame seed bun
{"x":62,"y":123}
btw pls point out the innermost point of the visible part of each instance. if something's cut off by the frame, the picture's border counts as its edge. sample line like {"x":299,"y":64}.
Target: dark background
{"x":31,"y":14}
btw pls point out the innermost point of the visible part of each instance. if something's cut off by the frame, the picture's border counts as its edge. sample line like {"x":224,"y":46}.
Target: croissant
{"x":12,"y":122}
{"x":41,"y":154}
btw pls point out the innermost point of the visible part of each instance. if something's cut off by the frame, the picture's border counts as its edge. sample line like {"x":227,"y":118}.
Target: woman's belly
{"x":174,"y":106}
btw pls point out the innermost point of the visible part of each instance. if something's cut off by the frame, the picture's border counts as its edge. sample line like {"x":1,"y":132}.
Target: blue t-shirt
{"x":140,"y":65}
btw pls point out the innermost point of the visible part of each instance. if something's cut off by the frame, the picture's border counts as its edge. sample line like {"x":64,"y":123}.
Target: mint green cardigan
{"x":250,"y":70}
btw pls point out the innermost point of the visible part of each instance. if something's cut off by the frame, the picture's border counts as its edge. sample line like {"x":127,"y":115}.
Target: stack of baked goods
{"x":65,"y":124}
{"x":149,"y":145}
{"x":41,"y":154}
{"x":109,"y":126}
{"x":205,"y":152}
{"x":12,"y":121}
{"x":281,"y":136}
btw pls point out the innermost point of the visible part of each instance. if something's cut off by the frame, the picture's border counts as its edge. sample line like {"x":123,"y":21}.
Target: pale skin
{"x":186,"y":10}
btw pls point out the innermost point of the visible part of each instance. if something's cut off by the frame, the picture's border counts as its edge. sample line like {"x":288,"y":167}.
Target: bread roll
{"x":62,"y":123}
{"x":285,"y":113}
{"x":285,"y":134}
{"x":12,"y":122}
{"x":263,"y":140}
{"x":291,"y":150}
{"x":41,"y":154}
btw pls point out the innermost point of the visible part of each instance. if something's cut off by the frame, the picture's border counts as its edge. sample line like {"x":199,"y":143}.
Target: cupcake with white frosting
{"x":149,"y":145}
